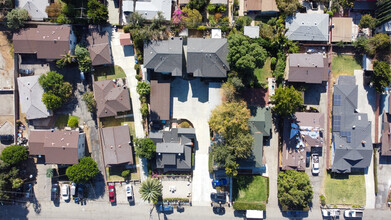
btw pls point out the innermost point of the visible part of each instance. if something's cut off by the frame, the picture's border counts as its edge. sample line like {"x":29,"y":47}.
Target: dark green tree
{"x":361,"y":45}
{"x":288,"y":7}
{"x":88,"y":97}
{"x":16,"y":18}
{"x":56,"y":90}
{"x":286,"y":100}
{"x":145,"y":148}
{"x":294,"y":190}
{"x":242,"y":21}
{"x":380,"y":45}
{"x":84,"y":171}
{"x":367,"y":21}
{"x":197,"y":4}
{"x":381,"y":77}
{"x":97,"y":12}
{"x":83,"y":58}
{"x":51,"y":81}
{"x":8,"y":175}
{"x":51,"y":101}
{"x":14,"y":154}
{"x":158,"y":22}
{"x":73,"y":122}
{"x":143,"y":88}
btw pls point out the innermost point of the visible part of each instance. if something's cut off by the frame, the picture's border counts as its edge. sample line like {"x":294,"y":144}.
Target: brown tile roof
{"x":310,"y":119}
{"x":160,"y":100}
{"x":292,"y":157}
{"x":99,"y":47}
{"x":115,"y":144}
{"x":386,"y":135}
{"x":307,"y":68}
{"x":59,"y":147}
{"x":47,"y":41}
{"x":111,"y":99}
{"x":342,"y":30}
{"x":124,"y":39}
{"x":260,"y":5}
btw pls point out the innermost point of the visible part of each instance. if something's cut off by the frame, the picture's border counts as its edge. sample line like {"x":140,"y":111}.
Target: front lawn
{"x":344,"y":65}
{"x":263,"y":73}
{"x":250,"y":188}
{"x":62,"y":120}
{"x":109,"y":72}
{"x":112,"y":121}
{"x":344,"y":189}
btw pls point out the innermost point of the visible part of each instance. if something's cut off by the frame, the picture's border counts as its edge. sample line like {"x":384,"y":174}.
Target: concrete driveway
{"x":190,"y":101}
{"x":366,"y":104}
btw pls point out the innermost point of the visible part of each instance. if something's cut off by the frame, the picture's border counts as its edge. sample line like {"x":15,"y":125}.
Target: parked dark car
{"x":55,"y":192}
{"x":80,"y":191}
{"x":165,"y":208}
{"x":219,"y":182}
{"x":220,"y":198}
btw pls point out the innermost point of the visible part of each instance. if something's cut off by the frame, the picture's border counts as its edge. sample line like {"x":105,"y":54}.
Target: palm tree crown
{"x":151,"y":190}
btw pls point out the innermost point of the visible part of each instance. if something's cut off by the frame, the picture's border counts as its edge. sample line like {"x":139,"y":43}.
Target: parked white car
{"x":315,"y":164}
{"x":65,"y":192}
{"x":330,"y":212}
{"x":354,"y":214}
{"x":129,"y":193}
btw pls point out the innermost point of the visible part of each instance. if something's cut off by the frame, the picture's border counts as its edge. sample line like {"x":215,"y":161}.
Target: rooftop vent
{"x":354,"y":126}
{"x":172,"y":38}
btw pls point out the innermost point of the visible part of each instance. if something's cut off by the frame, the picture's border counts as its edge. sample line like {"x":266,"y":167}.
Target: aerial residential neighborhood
{"x":195,"y":109}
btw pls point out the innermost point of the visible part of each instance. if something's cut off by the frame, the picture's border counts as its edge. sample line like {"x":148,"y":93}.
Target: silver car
{"x":129,"y":193}
{"x":65,"y":192}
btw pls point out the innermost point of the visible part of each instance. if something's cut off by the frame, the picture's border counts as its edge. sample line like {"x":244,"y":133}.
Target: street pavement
{"x":366,"y":104}
{"x":127,"y":64}
{"x":190,"y":101}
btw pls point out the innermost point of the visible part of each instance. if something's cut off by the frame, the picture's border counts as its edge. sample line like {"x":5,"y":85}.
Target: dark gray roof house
{"x":164,"y":56}
{"x":173,"y":149}
{"x":207,"y":57}
{"x":260,"y":125}
{"x":308,"y":27}
{"x":352,"y":143}
{"x":307,"y":68}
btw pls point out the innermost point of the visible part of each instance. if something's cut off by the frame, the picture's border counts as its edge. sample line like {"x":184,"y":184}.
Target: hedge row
{"x":242,"y":205}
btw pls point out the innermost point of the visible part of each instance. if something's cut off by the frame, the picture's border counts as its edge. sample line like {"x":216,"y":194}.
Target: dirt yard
{"x":6,"y":63}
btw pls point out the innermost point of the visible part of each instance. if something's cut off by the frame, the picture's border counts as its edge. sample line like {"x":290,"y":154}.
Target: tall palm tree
{"x":151,"y":190}
{"x":68,"y":57}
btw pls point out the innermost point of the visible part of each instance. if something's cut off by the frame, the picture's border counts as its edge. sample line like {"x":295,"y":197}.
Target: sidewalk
{"x":127,"y":64}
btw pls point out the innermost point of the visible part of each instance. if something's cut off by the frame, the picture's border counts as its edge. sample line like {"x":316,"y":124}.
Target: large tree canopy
{"x":380,"y":45}
{"x":145,"y":148}
{"x":84,"y":171}
{"x":230,"y":119}
{"x":56,"y":90}
{"x":191,"y":17}
{"x":14,"y":154}
{"x":288,"y":7}
{"x":367,"y":21}
{"x":286,"y":101}
{"x":381,"y":76}
{"x":294,"y":190}
{"x":244,"y":55}
{"x":16,"y":18}
{"x":97,"y":12}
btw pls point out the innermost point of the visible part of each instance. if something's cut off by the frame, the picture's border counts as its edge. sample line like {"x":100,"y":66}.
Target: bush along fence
{"x":241,"y":205}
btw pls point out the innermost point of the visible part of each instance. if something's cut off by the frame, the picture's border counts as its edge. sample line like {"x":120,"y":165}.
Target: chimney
{"x":354,"y":126}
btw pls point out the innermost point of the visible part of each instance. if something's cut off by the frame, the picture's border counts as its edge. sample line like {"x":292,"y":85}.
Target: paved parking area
{"x":383,"y":181}
{"x":31,"y":62}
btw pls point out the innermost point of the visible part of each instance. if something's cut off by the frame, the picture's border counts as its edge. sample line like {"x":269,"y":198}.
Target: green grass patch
{"x":114,"y":173}
{"x":344,"y":189}
{"x":250,"y":188}
{"x":263,"y":73}
{"x":62,"y":120}
{"x":344,"y":65}
{"x":112,"y":121}
{"x":109,"y":72}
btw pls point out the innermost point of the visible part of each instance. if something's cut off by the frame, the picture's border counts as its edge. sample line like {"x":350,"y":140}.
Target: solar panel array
{"x":336,"y":122}
{"x":337,"y":100}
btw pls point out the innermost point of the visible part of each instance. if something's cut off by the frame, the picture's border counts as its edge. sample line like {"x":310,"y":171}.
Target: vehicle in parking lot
{"x":111,"y":193}
{"x":26,"y":71}
{"x":73,"y":189}
{"x":165,"y":208}
{"x":219,"y":182}
{"x":354,"y":213}
{"x":315,"y":164}
{"x":129,"y":192}
{"x":330,"y":212}
{"x":65,"y":192}
{"x":220,"y":198}
{"x":54,"y":192}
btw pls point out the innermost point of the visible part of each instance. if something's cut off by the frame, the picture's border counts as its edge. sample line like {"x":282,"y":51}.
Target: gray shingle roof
{"x":35,"y":8}
{"x":307,"y":68}
{"x":351,"y":130}
{"x":149,"y":9}
{"x":164,"y":56}
{"x":173,"y":148}
{"x":307,"y":27}
{"x":207,"y":57}
{"x":30,"y":96}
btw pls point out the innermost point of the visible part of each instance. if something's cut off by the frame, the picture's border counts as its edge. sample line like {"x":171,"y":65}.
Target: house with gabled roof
{"x":160,"y":100}
{"x":99,"y":46}
{"x":164,"y":56}
{"x":116,"y":144}
{"x":30,"y":98}
{"x":342,"y":29}
{"x":310,"y":27}
{"x":307,"y":68}
{"x":57,"y":147}
{"x":174,"y":149}
{"x":45,"y":41}
{"x":148,"y":9}
{"x":207,"y":57}
{"x":260,"y":6}
{"x":111,"y":98}
{"x":352,"y":142}
{"x":35,"y":8}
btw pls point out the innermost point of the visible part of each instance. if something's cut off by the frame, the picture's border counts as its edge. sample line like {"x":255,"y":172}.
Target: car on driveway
{"x":315,"y":164}
{"x":165,"y":208}
{"x":219,"y":182}
{"x":111,"y":193}
{"x":129,"y":193}
{"x":26,"y":71}
{"x":220,"y":198}
{"x":354,"y":213}
{"x":330,"y":213}
{"x":65,"y":192}
{"x":54,"y":192}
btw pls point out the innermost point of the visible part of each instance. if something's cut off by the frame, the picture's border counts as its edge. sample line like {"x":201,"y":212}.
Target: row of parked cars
{"x":128,"y":191}
{"x":66,"y":191}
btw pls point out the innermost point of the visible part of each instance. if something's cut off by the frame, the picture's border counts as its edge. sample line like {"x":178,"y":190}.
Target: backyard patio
{"x":176,"y":187}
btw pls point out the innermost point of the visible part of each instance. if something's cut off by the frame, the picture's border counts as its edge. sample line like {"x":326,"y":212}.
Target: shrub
{"x":211,"y":8}
{"x":137,"y":67}
{"x":201,"y":28}
{"x":138,"y":77}
{"x":210,"y":163}
{"x":73,"y":122}
{"x":49,"y":172}
{"x":125,"y":174}
{"x":322,"y":200}
{"x":176,"y":200}
{"x":242,"y":205}
{"x":143,"y":88}
{"x":273,"y":62}
{"x":88,"y":97}
{"x":185,"y":124}
{"x":144,"y":110}
{"x":222,"y":8}
{"x":84,"y":171}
